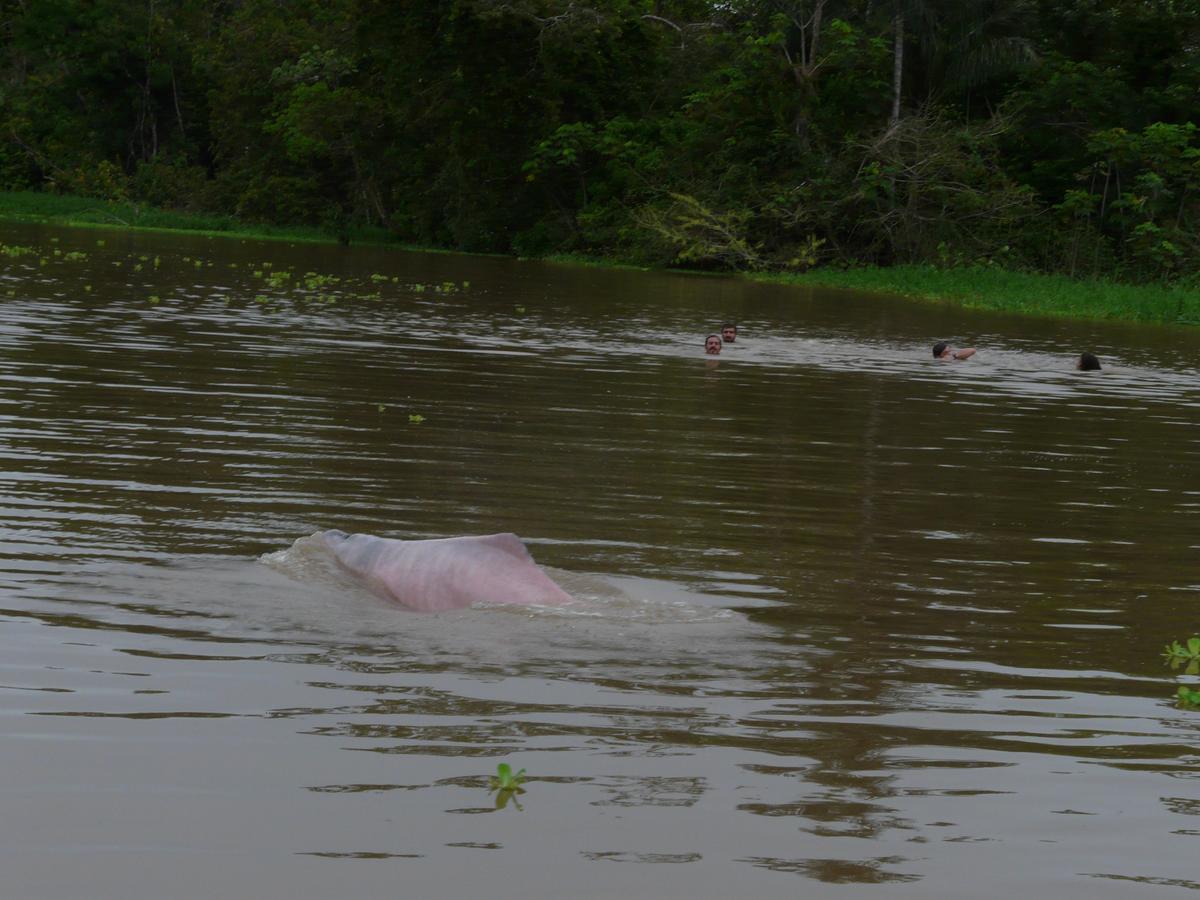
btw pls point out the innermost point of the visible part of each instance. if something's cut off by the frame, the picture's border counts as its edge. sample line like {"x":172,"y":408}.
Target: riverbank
{"x":1017,"y":292}
{"x":89,"y":212}
{"x":974,"y":288}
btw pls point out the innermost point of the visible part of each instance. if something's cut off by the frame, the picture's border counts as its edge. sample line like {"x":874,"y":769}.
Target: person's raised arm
{"x":965,"y":353}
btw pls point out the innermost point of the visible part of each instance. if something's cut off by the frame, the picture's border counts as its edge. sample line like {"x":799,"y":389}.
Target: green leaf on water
{"x":505,"y":781}
{"x":415,"y":419}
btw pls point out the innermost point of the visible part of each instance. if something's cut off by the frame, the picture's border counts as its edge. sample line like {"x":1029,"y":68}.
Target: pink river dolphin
{"x":449,"y":573}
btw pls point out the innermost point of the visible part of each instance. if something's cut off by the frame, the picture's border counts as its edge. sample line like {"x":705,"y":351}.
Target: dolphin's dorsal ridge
{"x":508,"y":542}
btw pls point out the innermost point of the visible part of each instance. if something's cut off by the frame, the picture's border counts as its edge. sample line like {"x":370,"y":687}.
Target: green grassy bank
{"x":977,"y":288}
{"x":61,"y":209}
{"x":1018,"y":292}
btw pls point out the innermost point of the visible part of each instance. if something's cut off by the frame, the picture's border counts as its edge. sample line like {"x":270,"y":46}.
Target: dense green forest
{"x":1042,"y":135}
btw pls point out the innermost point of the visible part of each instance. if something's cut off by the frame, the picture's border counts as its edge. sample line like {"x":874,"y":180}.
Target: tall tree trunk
{"x":897,"y":65}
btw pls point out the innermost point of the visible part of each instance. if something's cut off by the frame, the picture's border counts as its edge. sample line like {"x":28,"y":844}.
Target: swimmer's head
{"x":729,"y":332}
{"x":712,"y":345}
{"x":1088,"y":363}
{"x":940,"y":349}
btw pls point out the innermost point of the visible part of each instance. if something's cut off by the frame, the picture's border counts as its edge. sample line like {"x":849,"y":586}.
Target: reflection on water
{"x":848,"y":617}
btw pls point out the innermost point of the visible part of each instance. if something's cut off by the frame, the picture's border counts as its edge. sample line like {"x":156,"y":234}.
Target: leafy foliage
{"x":1185,"y":656}
{"x":742,"y":134}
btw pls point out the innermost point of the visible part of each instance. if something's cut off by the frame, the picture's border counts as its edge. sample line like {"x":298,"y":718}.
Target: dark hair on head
{"x":728,"y":325}
{"x":1088,"y":363}
{"x":710,"y":337}
{"x":939,"y":348}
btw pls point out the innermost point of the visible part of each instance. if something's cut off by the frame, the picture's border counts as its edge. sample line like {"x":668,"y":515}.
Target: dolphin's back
{"x":446,"y":573}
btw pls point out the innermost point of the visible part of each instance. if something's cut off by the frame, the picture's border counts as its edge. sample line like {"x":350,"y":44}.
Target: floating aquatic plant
{"x":415,"y":419}
{"x":507,"y":785}
{"x":1187,"y":657}
{"x":1186,"y":654}
{"x":506,"y":780}
{"x":1188,"y":696}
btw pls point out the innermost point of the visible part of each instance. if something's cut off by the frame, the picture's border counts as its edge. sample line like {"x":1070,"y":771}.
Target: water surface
{"x":850,"y":621}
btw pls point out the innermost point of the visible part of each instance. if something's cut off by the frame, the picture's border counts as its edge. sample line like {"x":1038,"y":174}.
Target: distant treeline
{"x":1051,"y":135}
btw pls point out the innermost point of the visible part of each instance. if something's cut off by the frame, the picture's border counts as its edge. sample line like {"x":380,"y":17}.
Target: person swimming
{"x":728,"y":332}
{"x":942,"y":350}
{"x":712,"y":345}
{"x":1087,"y":363}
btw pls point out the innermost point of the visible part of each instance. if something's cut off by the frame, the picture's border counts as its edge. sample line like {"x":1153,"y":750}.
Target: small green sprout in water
{"x":507,"y":785}
{"x":1186,"y":654}
{"x":87,"y":288}
{"x":505,"y":779}
{"x":1189,"y":697}
{"x":100,"y":243}
{"x":75,"y":256}
{"x":376,"y":277}
{"x":380,"y":407}
{"x":153,"y":299}
{"x":520,"y":310}
{"x":415,"y":419}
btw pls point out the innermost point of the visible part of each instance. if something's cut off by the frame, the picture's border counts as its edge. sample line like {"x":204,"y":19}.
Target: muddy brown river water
{"x":849,"y":622}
